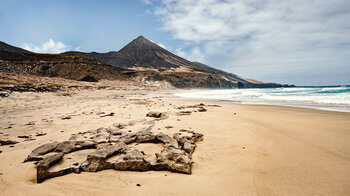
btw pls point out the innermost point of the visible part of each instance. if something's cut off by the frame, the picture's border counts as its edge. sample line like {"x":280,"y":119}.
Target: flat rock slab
{"x":176,"y":155}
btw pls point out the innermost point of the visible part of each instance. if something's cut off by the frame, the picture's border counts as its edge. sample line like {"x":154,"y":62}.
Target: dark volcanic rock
{"x":89,"y":78}
{"x":4,"y":94}
{"x":7,"y":142}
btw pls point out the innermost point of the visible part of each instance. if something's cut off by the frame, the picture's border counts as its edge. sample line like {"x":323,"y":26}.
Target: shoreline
{"x":295,"y":104}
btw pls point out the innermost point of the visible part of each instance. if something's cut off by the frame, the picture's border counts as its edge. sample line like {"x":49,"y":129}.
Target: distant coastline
{"x":330,"y":98}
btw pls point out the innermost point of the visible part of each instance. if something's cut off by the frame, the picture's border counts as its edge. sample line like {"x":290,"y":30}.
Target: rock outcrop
{"x":112,"y":151}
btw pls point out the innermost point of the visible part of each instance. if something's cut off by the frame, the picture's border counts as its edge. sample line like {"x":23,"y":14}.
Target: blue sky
{"x":292,"y":41}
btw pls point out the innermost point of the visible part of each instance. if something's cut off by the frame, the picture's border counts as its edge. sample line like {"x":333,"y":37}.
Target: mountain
{"x":9,"y":48}
{"x":140,"y":60}
{"x":156,"y":63}
{"x":54,"y":65}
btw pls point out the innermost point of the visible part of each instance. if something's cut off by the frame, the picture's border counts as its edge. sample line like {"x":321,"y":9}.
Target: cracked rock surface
{"x":112,"y":151}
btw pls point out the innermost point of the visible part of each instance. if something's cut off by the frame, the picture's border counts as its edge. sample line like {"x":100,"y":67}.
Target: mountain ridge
{"x":140,"y":60}
{"x":143,"y":55}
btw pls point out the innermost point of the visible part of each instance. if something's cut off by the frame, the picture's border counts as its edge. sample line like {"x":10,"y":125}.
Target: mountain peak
{"x":140,"y":44}
{"x":141,"y":40}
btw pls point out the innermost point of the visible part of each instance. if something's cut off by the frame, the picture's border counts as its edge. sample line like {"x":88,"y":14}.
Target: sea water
{"x":336,"y":98}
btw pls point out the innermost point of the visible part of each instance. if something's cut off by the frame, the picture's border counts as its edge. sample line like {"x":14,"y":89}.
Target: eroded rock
{"x":112,"y":152}
{"x":187,"y":140}
{"x":35,"y":155}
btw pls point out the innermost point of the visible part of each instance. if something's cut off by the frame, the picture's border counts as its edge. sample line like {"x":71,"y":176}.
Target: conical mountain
{"x":143,"y":55}
{"x":140,"y":54}
{"x":145,"y":61}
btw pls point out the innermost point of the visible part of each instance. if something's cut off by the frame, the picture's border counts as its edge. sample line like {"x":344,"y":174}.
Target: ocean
{"x":334,"y":98}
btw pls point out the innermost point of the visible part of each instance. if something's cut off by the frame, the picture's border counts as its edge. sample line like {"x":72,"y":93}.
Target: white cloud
{"x":49,"y":46}
{"x":162,"y":45}
{"x":194,"y":55}
{"x":272,"y":35}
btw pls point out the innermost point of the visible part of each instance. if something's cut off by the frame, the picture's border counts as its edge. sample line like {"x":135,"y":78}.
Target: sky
{"x":291,"y":41}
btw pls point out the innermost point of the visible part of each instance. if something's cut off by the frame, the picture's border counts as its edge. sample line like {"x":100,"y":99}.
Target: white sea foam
{"x":333,"y":98}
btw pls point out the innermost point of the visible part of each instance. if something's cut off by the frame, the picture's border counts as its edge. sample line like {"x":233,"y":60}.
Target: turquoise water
{"x":321,"y":97}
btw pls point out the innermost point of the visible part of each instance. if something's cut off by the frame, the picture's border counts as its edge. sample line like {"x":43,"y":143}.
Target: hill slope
{"x":53,"y":65}
{"x":144,"y":55}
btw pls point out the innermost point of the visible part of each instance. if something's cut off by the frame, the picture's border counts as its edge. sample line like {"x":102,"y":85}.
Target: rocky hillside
{"x":8,"y":48}
{"x":144,"y":55}
{"x":52,"y":65}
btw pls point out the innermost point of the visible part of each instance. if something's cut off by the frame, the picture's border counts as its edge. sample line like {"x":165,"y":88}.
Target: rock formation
{"x":176,"y":155}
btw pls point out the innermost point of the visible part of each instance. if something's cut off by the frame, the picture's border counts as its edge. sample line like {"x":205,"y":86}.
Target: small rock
{"x":0,"y":151}
{"x":66,"y":118}
{"x":119,"y":125}
{"x":138,"y":184}
{"x":75,"y":164}
{"x":169,"y":127}
{"x":183,"y":113}
{"x":202,"y":109}
{"x":110,"y":114}
{"x":23,"y":136}
{"x":11,"y":146}
{"x":156,"y":114}
{"x":243,"y":147}
{"x":40,"y":134}
{"x":29,"y":139}
{"x":7,"y":142}
{"x":234,"y":113}
{"x":2,"y":94}
{"x":30,"y":123}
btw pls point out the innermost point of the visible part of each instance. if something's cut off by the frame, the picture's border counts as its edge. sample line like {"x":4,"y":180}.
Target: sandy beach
{"x":247,"y":149}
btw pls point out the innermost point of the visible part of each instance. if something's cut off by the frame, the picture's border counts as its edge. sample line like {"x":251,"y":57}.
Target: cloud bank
{"x":49,"y":46}
{"x":268,"y":40}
